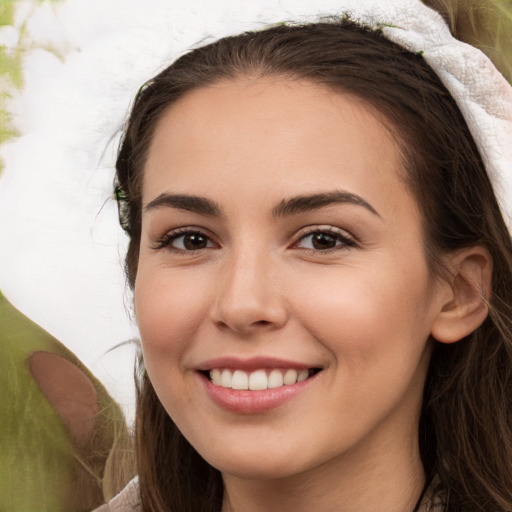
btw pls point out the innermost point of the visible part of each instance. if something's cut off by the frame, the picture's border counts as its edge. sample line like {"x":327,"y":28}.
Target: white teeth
{"x":257,"y":380}
{"x":290,"y":377}
{"x":275,"y":379}
{"x":240,"y":380}
{"x":303,"y":375}
{"x":226,"y":378}
{"x":216,"y":376}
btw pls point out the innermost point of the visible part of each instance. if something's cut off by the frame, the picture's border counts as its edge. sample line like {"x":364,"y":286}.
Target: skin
{"x":362,"y":311}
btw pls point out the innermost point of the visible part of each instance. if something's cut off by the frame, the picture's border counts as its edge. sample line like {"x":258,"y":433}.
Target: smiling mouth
{"x":258,"y":380}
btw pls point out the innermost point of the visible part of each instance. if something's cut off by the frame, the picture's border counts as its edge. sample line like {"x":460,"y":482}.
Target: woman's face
{"x":281,"y":250}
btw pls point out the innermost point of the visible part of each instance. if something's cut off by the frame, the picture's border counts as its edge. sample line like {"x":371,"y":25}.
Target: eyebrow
{"x":302,"y":204}
{"x":194,"y":204}
{"x":287,"y":207}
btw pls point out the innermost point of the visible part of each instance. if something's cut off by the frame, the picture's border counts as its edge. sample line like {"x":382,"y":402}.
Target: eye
{"x":185,"y":241}
{"x":325,"y":240}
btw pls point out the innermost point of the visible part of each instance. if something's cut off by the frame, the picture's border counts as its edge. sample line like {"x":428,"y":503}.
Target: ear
{"x":470,"y":289}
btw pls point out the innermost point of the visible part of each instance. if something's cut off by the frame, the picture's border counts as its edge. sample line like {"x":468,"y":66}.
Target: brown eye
{"x":192,"y":241}
{"x":325,"y":241}
{"x":185,"y":241}
{"x":322,"y":241}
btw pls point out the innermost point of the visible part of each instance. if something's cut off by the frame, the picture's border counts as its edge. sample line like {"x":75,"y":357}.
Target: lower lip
{"x":253,"y":402}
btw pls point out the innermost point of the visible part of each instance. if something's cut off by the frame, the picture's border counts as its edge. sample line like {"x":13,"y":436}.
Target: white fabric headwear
{"x":481,"y":92}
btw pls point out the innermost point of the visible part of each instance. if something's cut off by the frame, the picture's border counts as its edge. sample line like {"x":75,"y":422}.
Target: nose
{"x":249,"y":298}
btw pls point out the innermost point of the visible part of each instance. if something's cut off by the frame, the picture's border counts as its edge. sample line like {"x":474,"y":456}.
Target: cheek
{"x":168,"y":311}
{"x":375,"y":324}
{"x":368,"y":311}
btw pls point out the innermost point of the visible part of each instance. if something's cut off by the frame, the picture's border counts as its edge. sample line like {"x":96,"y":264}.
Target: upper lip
{"x":251,"y":364}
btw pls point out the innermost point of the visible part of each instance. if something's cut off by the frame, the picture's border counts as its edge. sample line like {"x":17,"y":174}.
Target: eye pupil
{"x":323,"y":241}
{"x":194,"y":241}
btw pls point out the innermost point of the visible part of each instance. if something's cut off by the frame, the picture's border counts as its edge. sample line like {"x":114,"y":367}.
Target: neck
{"x":368,"y":479}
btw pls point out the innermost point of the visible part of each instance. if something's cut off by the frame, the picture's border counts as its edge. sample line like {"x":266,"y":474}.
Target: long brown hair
{"x":465,"y":426}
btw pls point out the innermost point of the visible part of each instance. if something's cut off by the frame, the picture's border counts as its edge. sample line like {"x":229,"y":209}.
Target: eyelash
{"x":166,"y":241}
{"x":346,"y":241}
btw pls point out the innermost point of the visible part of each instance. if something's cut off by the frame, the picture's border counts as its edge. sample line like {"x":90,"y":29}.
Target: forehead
{"x":271,"y":136}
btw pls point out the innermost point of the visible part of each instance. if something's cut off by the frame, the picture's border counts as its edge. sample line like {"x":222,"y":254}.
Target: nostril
{"x":248,"y":317}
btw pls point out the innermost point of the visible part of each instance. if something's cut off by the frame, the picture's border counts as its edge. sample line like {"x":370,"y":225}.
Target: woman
{"x":321,"y":272}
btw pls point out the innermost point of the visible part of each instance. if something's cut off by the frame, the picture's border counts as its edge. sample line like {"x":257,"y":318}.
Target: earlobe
{"x":470,"y":286}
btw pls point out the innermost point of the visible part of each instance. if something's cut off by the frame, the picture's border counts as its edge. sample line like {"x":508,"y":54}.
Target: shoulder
{"x":127,"y":500}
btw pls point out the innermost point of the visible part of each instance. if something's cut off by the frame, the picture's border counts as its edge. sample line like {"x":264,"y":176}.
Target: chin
{"x":259,"y":462}
{"x":268,"y":469}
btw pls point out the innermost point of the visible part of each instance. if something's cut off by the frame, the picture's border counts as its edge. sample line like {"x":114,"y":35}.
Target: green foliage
{"x":11,"y":67}
{"x":10,"y":72}
{"x":43,"y":466}
{"x":35,"y":464}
